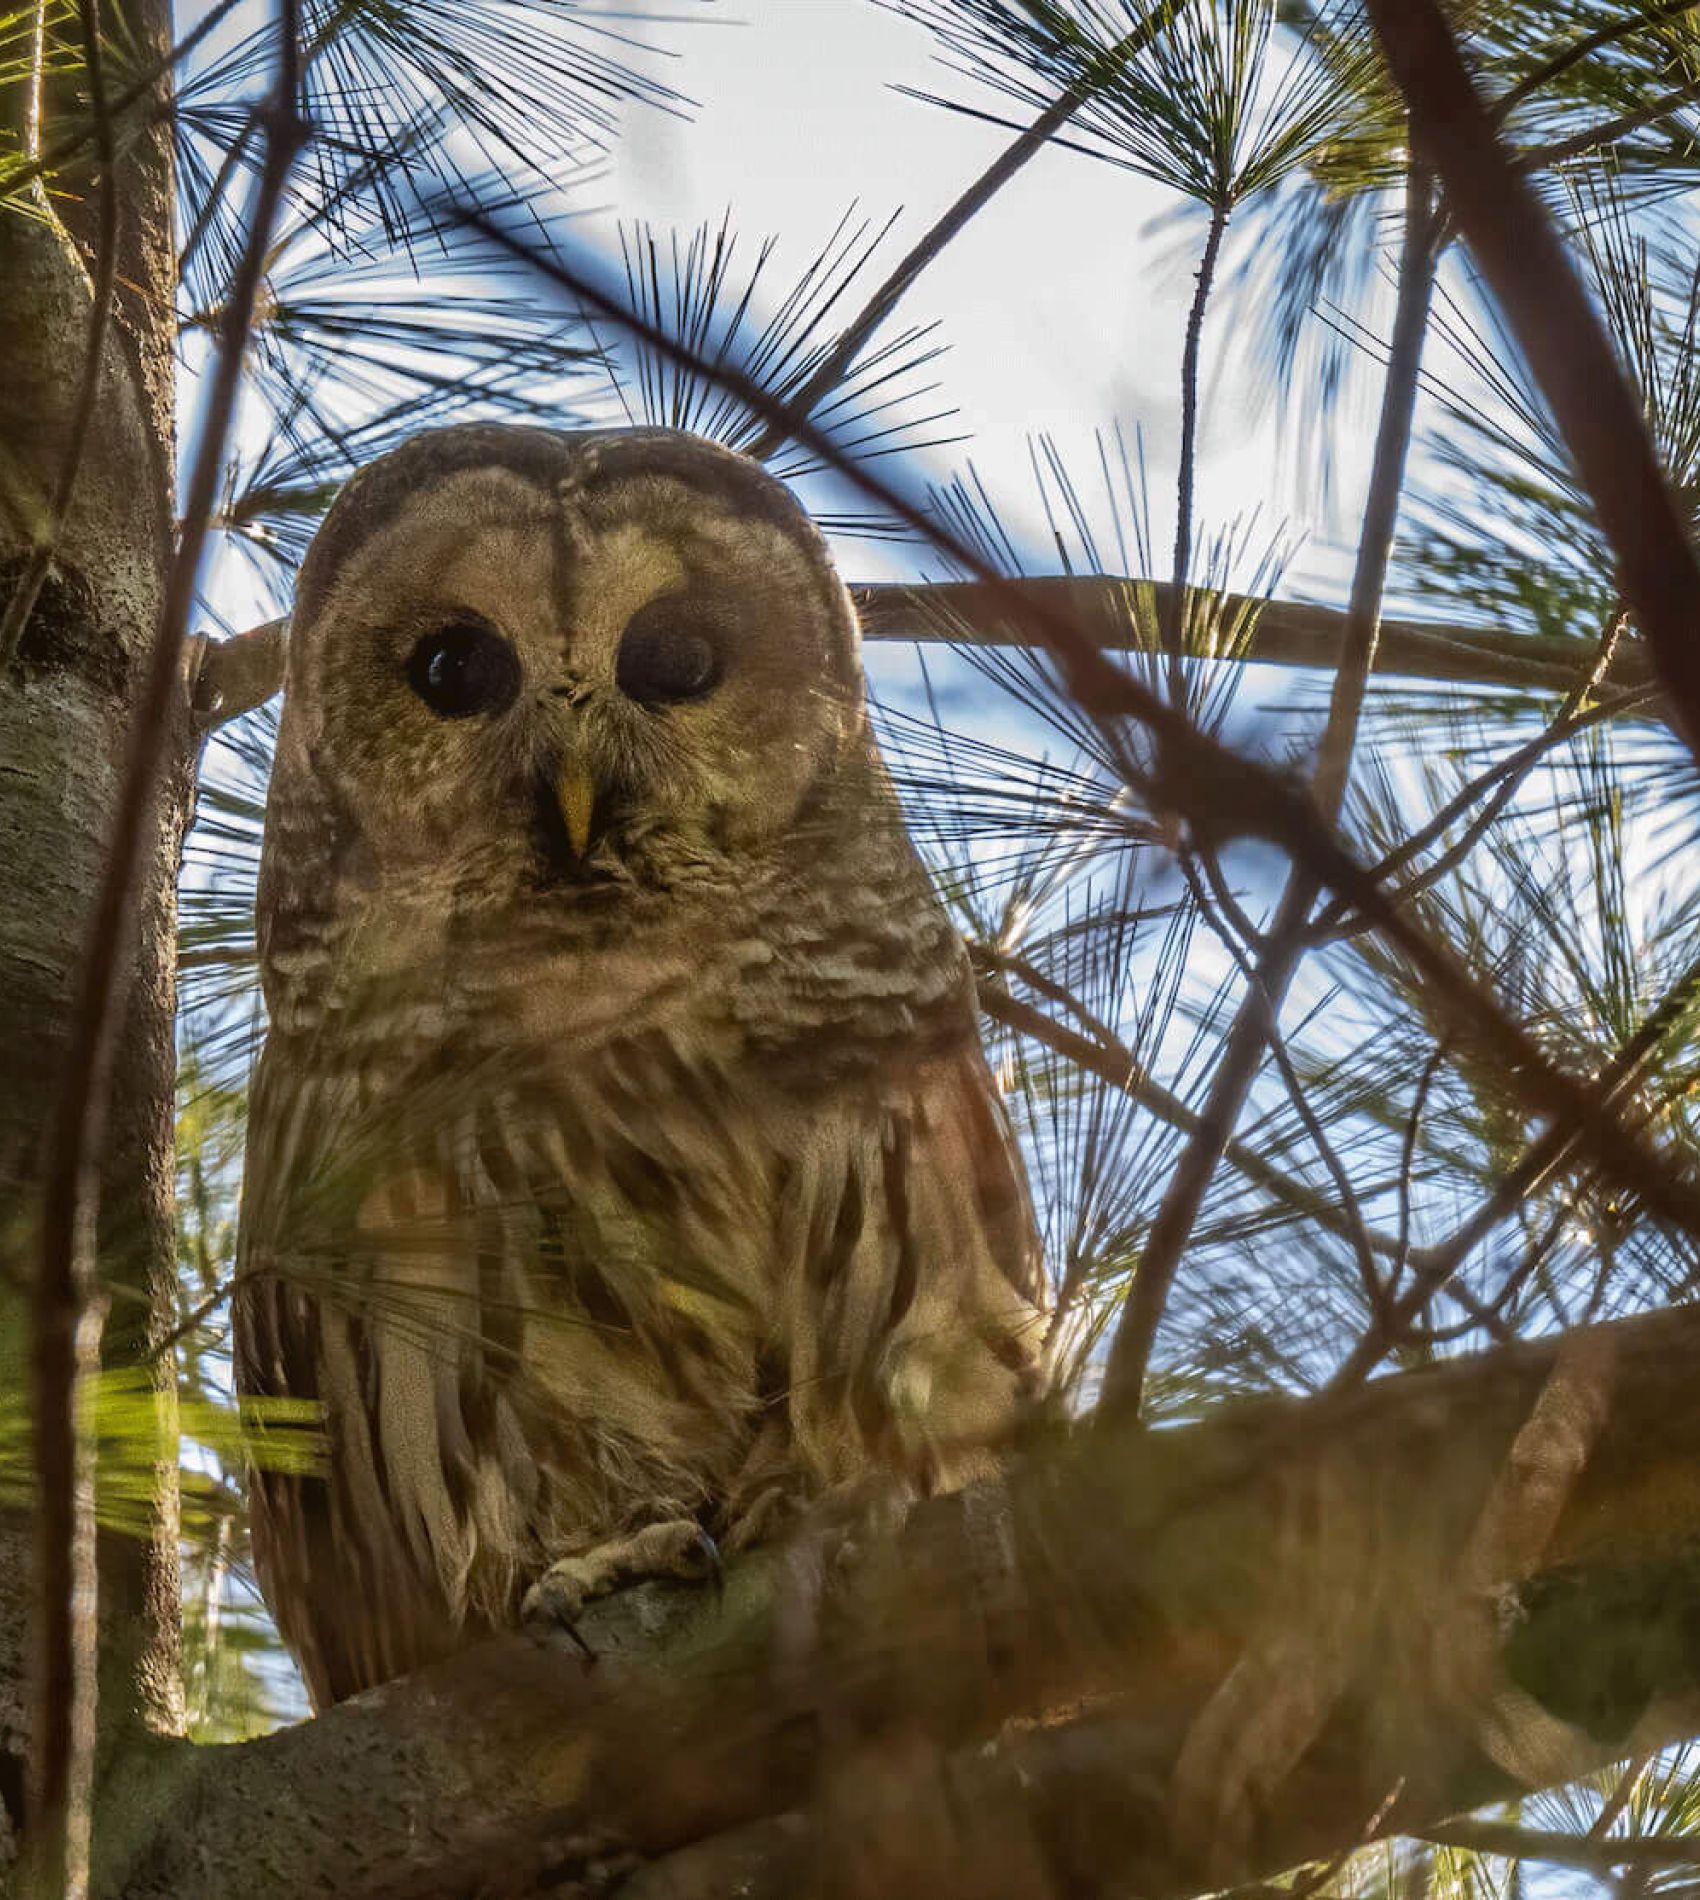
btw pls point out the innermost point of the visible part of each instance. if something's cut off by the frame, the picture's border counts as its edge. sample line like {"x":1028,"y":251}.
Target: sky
{"x":1063,"y":303}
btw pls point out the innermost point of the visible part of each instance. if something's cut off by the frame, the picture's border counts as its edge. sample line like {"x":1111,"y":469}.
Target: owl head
{"x":561,"y":646}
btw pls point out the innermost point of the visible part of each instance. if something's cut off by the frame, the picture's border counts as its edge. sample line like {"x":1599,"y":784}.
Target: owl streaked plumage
{"x":622,"y":1151}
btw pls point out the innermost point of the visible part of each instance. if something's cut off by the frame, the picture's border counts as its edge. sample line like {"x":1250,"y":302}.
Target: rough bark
{"x":1103,"y":1592}
{"x":64,"y":708}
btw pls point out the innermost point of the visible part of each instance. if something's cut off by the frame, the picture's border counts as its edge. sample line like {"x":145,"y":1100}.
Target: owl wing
{"x":917,"y":1299}
{"x":354,"y":1593}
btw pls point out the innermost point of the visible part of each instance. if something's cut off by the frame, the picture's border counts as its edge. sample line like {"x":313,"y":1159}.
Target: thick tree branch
{"x":1518,"y":252}
{"x":1116,"y":1577}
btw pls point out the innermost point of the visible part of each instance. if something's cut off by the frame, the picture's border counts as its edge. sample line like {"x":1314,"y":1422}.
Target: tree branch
{"x":240,"y":673}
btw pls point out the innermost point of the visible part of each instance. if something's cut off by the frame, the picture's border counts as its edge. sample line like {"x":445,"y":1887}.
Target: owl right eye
{"x":464,"y":669}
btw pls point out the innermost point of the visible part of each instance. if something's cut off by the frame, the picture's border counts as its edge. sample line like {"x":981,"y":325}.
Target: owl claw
{"x":677,"y":1549}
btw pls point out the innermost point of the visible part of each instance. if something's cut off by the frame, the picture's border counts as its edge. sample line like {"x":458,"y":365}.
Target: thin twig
{"x":1113,"y":1062}
{"x":28,"y":589}
{"x":1499,"y":783}
{"x":1519,"y":254}
{"x":1174,"y":619}
{"x":1012,"y":159}
{"x":70,"y":1175}
{"x":1285,"y":947}
{"x":1547,"y":1152}
{"x":1225,"y":787}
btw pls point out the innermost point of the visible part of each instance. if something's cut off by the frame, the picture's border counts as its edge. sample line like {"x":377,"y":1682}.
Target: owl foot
{"x":678,"y":1549}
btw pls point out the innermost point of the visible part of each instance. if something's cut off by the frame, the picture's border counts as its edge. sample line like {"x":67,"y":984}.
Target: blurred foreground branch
{"x":241,"y":673}
{"x":1103,"y":1591}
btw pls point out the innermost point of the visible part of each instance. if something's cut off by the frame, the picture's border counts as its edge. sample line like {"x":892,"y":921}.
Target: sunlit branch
{"x":242,"y":672}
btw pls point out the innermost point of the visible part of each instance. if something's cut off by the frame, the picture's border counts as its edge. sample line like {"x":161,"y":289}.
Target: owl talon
{"x":678,"y":1549}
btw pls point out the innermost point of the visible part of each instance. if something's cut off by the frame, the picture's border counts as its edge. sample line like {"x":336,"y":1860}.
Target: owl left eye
{"x":669,"y":652}
{"x":464,"y":669}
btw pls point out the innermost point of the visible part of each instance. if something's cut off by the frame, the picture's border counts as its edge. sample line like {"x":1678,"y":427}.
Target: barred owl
{"x":623,"y":1166}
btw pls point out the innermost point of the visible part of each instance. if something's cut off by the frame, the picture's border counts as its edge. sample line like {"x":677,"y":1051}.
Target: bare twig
{"x":61,"y":1303}
{"x":1517,"y":251}
{"x":991,"y":181}
{"x":1282,"y":632}
{"x":1597,"y":1853}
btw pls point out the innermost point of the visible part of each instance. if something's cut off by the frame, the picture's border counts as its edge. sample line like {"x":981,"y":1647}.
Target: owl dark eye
{"x":464,"y":669}
{"x":669,"y":652}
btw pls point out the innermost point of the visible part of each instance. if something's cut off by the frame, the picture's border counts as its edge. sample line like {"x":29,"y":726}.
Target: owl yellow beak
{"x":575,"y":790}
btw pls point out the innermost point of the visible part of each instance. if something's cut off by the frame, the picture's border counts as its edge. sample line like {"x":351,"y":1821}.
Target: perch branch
{"x":1115,"y":1578}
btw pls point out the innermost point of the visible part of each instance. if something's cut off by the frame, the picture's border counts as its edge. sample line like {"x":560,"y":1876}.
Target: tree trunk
{"x":65,"y":705}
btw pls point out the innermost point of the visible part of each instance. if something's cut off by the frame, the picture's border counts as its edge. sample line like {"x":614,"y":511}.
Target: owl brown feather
{"x":588,"y":1189}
